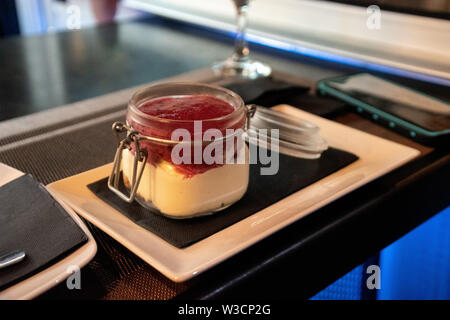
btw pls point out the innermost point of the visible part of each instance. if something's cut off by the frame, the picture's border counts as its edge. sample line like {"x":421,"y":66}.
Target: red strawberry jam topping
{"x":195,"y":107}
{"x":184,"y":110}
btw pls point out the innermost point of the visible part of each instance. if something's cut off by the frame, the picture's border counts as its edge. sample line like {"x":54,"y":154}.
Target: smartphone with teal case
{"x":408,"y":111}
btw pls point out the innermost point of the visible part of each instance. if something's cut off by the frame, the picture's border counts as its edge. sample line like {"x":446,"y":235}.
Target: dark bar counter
{"x":46,"y":71}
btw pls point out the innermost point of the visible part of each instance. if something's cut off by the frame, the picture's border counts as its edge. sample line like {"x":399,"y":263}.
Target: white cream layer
{"x":176,"y":195}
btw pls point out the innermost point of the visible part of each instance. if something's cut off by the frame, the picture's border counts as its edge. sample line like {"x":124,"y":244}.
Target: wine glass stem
{"x":241,"y":50}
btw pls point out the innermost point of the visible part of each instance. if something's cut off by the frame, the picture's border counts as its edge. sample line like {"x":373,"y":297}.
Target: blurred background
{"x":39,"y":16}
{"x":412,"y":36}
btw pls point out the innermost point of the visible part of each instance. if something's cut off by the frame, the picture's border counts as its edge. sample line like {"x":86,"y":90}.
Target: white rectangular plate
{"x":376,"y":157}
{"x":56,"y":273}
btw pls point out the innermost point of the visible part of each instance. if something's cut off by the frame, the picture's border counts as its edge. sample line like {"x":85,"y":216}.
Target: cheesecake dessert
{"x":189,"y":189}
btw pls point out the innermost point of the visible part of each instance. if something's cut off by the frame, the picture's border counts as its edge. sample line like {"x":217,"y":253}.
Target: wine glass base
{"x":248,"y":69}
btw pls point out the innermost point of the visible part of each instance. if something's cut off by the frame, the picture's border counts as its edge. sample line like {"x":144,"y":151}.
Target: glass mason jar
{"x":182,"y":168}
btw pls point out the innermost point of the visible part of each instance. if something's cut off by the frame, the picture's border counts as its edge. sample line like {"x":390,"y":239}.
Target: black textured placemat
{"x":269,"y":92}
{"x":33,"y":222}
{"x":263,"y":191}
